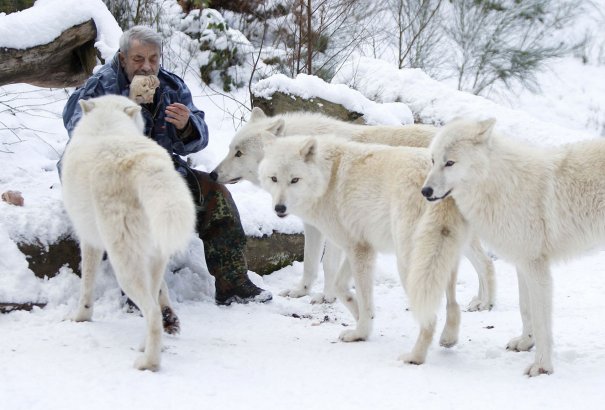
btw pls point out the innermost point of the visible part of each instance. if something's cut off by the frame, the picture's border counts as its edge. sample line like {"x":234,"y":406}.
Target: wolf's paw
{"x":537,"y":369}
{"x":322,"y":298}
{"x":82,"y":315}
{"x":353,"y":335}
{"x":520,"y":344}
{"x":478,"y":304}
{"x":448,"y":339}
{"x":298,"y":292}
{"x":145,"y":363}
{"x":412,"y":358}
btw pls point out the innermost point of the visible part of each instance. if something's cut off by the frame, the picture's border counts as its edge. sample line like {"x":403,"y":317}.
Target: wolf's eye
{"x":294,"y":180}
{"x":432,"y":161}
{"x":238,"y":154}
{"x":449,"y":163}
{"x":274,"y":179}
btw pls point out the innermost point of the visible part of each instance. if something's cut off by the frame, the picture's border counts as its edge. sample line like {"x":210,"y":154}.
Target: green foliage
{"x":132,"y":12}
{"x":220,"y":61}
{"x":218,"y":42}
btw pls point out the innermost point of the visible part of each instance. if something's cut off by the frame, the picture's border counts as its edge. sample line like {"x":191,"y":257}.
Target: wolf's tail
{"x":434,"y":259}
{"x":169,"y":206}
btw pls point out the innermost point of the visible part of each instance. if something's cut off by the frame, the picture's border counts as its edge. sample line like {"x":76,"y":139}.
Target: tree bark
{"x":67,"y":61}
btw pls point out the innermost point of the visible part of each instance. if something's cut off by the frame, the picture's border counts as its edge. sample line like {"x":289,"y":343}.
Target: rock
{"x":13,"y":198}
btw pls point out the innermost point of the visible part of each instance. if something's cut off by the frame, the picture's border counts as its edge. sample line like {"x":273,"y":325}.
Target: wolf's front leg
{"x":332,"y":260}
{"x":91,"y":258}
{"x":314,"y":243}
{"x":524,"y":342}
{"x":539,"y":285}
{"x":361,"y":260}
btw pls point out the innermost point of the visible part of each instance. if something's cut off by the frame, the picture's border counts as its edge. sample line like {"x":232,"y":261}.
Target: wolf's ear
{"x":277,"y":127}
{"x":257,"y":114}
{"x":86,"y":106}
{"x":486,"y":128}
{"x":308,"y":150}
{"x":267,"y":138}
{"x":132,"y":110}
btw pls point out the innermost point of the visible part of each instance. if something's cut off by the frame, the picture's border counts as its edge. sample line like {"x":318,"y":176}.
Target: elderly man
{"x":177,"y":125}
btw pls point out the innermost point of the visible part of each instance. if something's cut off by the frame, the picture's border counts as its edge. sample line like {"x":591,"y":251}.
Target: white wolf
{"x":246,"y":152}
{"x":532,"y":206}
{"x":124,"y":196}
{"x":366,"y":199}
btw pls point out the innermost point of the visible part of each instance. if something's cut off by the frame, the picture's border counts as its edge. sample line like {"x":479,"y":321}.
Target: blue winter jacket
{"x":111,"y":79}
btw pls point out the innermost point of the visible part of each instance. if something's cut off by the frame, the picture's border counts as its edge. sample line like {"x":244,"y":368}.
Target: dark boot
{"x":220,"y":228}
{"x":241,"y":293}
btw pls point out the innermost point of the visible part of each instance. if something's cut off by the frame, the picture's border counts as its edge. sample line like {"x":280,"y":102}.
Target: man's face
{"x":142,"y":59}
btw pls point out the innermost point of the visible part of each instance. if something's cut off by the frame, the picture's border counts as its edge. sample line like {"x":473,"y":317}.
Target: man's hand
{"x":177,"y":114}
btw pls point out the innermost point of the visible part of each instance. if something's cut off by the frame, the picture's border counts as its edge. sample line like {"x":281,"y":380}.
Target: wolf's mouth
{"x":234,"y":180}
{"x":437,"y":198}
{"x":281,"y":214}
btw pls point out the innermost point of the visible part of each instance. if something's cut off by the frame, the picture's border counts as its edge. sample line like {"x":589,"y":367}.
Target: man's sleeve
{"x":72,"y":112}
{"x":197,"y":138}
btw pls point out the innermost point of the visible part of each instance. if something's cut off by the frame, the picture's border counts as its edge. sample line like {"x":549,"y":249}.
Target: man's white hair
{"x":142,"y":34}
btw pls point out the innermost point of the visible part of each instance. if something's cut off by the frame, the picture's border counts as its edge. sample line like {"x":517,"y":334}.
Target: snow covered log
{"x":280,"y":103}
{"x":67,"y":61}
{"x":265,"y":255}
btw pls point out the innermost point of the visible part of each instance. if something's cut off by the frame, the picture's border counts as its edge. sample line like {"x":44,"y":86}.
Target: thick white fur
{"x":532,"y":206}
{"x":366,"y":199}
{"x":246,"y":152}
{"x":124,"y":196}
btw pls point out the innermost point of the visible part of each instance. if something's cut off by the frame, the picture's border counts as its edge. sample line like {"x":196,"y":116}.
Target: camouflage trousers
{"x":220,"y":229}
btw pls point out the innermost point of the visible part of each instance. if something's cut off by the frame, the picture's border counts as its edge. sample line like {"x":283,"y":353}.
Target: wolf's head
{"x":295,"y":173}
{"x":109,"y":114}
{"x":460,"y":155}
{"x":246,"y":149}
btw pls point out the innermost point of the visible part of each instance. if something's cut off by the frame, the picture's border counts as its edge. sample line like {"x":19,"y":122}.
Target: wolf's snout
{"x":280,"y":209}
{"x":427,"y":191}
{"x":213,"y":176}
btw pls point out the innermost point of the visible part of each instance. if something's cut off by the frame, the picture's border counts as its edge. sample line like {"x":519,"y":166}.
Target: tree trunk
{"x":67,"y":61}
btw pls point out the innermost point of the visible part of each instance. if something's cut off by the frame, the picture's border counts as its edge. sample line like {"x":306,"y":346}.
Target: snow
{"x":284,"y":354}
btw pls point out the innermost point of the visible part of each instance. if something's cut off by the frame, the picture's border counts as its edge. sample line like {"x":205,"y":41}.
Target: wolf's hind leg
{"x":343,"y":289}
{"x":141,"y":280}
{"x":91,"y":259}
{"x":484,"y":266}
{"x":419,"y":352}
{"x":170,"y":321}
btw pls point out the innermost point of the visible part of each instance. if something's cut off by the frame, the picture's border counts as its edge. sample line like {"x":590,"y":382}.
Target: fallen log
{"x":67,"y":61}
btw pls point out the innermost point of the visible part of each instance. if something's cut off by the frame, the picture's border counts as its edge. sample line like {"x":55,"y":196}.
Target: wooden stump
{"x":67,"y":61}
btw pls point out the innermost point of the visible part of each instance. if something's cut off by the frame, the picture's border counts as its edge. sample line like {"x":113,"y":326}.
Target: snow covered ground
{"x":286,"y":354}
